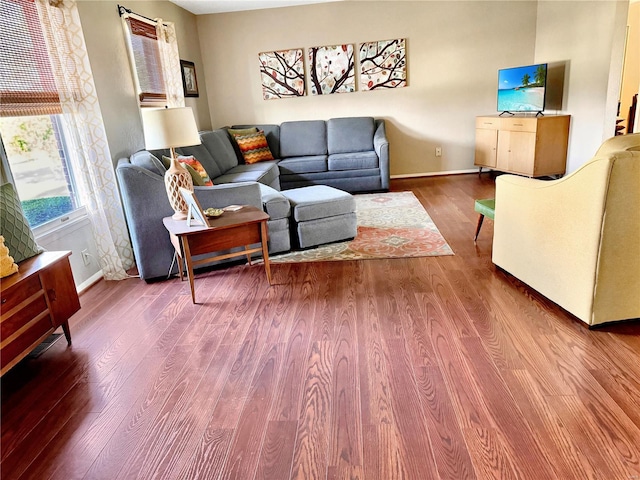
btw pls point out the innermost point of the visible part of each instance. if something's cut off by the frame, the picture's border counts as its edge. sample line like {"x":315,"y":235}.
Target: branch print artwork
{"x":383,"y":64}
{"x":332,"y":69}
{"x":282,"y":73}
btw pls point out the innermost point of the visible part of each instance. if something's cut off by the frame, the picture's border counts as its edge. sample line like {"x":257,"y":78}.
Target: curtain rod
{"x":122,"y":10}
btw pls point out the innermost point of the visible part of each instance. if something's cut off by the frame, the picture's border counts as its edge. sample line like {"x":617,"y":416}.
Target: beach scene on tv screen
{"x":522,"y":89}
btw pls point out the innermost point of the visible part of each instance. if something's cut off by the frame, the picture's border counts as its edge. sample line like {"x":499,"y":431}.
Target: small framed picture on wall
{"x":189,"y":80}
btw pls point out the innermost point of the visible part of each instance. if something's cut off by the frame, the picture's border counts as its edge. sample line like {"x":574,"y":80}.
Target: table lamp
{"x":171,"y":128}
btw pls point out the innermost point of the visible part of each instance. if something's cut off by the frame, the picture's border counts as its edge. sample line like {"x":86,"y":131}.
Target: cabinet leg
{"x":479,"y":171}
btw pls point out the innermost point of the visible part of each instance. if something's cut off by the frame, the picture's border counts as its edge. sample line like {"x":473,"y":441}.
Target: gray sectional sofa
{"x":351,"y":154}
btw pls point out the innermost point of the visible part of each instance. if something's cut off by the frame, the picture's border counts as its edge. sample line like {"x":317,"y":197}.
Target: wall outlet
{"x":86,"y":257}
{"x":438,"y":151}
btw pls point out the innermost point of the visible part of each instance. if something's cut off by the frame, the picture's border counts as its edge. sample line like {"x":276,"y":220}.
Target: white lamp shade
{"x":169,"y":128}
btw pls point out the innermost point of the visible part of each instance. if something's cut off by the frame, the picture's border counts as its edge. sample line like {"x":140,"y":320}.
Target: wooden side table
{"x":233,"y":229}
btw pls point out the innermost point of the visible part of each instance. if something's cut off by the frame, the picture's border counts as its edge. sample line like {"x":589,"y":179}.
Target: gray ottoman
{"x":320,"y":215}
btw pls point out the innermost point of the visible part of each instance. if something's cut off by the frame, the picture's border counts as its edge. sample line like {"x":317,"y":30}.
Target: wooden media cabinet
{"x":36,"y":300}
{"x":526,"y":145}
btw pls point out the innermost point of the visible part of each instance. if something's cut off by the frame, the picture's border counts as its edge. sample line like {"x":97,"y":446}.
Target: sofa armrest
{"x":225,"y":194}
{"x":274,"y":203}
{"x":381,"y":146}
{"x":145,"y":203}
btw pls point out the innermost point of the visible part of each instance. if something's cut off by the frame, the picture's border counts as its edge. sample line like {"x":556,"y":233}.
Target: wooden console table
{"x":36,"y":300}
{"x":233,"y":229}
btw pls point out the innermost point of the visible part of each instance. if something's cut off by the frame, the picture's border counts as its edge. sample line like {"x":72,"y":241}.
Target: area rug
{"x":390,"y":225}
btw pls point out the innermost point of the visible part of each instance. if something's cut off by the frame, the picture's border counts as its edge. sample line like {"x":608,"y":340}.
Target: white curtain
{"x":168,"y":46}
{"x":90,"y":157}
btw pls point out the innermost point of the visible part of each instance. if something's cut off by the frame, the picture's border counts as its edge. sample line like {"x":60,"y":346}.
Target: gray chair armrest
{"x":381,"y":146}
{"x":225,"y":194}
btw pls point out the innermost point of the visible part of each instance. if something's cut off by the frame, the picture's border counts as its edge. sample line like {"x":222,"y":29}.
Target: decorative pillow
{"x":166,"y":162}
{"x":199,"y":175}
{"x":18,"y":237}
{"x":197,"y":166}
{"x":254,"y":147}
{"x":195,"y":176}
{"x":241,"y":131}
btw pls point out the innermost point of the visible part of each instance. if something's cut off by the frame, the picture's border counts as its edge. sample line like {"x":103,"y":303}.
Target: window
{"x":31,"y":124}
{"x":146,"y":58}
{"x":39,"y":164}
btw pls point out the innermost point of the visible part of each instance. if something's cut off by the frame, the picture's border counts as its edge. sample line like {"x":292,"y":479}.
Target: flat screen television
{"x":522,"y":89}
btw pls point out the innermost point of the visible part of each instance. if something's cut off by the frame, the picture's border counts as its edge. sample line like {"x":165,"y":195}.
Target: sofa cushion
{"x":353,"y":161}
{"x":303,"y":138}
{"x":319,"y":201}
{"x":221,"y":150}
{"x":263,"y":172}
{"x":204,"y":157}
{"x":254,"y":147}
{"x":354,"y":134}
{"x":311,"y":163}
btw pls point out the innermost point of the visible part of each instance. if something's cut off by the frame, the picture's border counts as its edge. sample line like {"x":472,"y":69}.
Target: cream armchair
{"x":576,"y":240}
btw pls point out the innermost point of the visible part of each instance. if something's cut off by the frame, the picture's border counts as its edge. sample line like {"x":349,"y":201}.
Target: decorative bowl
{"x":213,"y":212}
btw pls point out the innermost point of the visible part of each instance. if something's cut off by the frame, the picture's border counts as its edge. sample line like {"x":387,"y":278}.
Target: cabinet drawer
{"x":519,"y":124}
{"x":22,"y":317}
{"x":20,"y":292}
{"x":490,"y":123}
{"x":25,"y":342}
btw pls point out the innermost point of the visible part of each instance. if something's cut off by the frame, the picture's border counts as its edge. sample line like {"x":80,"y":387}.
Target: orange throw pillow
{"x":197,"y":166}
{"x":254,"y":147}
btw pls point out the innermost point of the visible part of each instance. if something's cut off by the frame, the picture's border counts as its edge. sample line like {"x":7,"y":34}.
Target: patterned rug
{"x":390,"y":225}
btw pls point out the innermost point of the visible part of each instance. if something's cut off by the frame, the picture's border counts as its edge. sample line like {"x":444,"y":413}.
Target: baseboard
{"x":89,"y":282}
{"x":434,"y":174}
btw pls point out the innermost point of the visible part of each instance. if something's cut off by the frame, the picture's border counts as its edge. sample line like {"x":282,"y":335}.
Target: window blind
{"x":146,"y":56}
{"x":27,"y":85}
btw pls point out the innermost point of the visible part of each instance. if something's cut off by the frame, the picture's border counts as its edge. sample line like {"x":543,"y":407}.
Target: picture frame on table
{"x":189,"y":79}
{"x":195,"y":210}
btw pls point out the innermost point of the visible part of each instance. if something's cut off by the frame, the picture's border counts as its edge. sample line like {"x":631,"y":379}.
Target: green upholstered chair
{"x":485,"y":208}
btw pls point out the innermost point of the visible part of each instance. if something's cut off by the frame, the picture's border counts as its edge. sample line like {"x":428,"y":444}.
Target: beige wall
{"x":107,"y":49}
{"x":454,"y":50}
{"x":588,"y":37}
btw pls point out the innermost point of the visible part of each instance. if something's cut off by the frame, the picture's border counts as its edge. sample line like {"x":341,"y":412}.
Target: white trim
{"x":60,"y":226}
{"x":435,"y":174}
{"x":89,"y":281}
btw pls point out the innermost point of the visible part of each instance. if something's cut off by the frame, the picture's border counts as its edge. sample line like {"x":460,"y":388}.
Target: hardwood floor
{"x":425,"y":368}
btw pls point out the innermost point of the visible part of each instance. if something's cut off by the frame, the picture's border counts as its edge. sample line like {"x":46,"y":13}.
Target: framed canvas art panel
{"x":282,"y":73}
{"x":332,"y":69}
{"x":383,"y":64}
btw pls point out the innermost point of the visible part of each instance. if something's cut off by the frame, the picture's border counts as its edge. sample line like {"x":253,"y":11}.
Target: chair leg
{"x":480,"y":220}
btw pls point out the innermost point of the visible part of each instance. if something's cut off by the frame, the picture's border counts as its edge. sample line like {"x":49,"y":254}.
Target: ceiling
{"x":201,"y":7}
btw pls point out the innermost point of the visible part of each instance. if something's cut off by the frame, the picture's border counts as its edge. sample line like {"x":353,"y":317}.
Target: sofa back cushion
{"x":302,"y":138}
{"x":201,"y":153}
{"x":219,"y":145}
{"x":353,"y":134}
